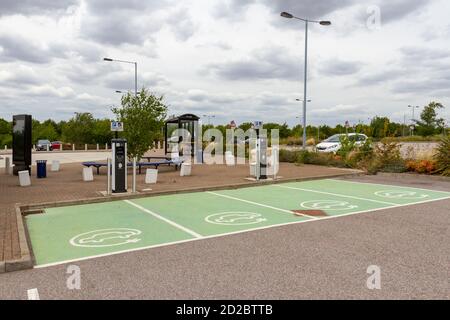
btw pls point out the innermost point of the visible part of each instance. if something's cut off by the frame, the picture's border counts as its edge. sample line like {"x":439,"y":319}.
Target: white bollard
{"x":229,"y":158}
{"x":185,"y":169}
{"x":48,"y":147}
{"x":11,"y":169}
{"x":253,"y":169}
{"x":134,"y":175}
{"x":98,"y":147}
{"x":24,"y":178}
{"x":73,"y":146}
{"x":6,"y":147}
{"x":61,"y":147}
{"x":87,"y":174}
{"x":55,"y":166}
{"x":85,"y":147}
{"x":106,"y":146}
{"x":151,"y":176}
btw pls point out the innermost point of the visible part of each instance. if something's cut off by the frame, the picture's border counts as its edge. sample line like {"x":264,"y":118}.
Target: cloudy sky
{"x":234,"y":59}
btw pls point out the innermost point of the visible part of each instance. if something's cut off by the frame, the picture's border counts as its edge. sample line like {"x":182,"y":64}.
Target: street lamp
{"x":135,"y":70}
{"x":323,"y":23}
{"x":413,"y":117}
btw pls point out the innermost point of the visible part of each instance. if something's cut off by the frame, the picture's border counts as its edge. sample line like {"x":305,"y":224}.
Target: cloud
{"x":267,"y":63}
{"x":50,"y":91}
{"x":34,"y":7}
{"x":22,"y":75}
{"x":394,"y":10}
{"x":16,"y":47}
{"x":338,"y":67}
{"x":376,"y":78}
{"x":134,"y":22}
{"x":124,"y":80}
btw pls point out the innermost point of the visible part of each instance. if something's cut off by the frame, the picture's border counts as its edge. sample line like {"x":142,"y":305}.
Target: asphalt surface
{"x":317,"y":260}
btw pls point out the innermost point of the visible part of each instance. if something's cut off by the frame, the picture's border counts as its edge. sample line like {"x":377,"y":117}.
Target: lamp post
{"x":135,"y":70}
{"x":413,"y":117}
{"x":307,"y":21}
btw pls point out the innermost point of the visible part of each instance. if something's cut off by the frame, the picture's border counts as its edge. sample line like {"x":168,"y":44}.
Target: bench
{"x":98,"y":165}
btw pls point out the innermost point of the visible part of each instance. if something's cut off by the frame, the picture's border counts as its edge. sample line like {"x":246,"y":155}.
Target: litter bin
{"x":41,"y":168}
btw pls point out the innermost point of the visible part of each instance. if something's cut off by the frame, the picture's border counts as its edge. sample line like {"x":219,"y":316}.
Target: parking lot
{"x":287,"y":256}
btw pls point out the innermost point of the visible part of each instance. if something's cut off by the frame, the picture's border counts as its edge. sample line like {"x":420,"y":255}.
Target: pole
{"x":135,"y":79}
{"x":109,"y":176}
{"x":404,"y":125}
{"x":305,"y":85}
{"x":134,"y":175}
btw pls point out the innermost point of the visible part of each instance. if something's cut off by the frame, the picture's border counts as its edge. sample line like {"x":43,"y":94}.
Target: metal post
{"x":318,"y":133}
{"x":135,"y":79}
{"x":305,"y":85}
{"x":109,"y":176}
{"x":134,"y":175}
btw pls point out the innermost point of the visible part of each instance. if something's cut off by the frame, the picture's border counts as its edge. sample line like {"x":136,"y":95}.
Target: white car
{"x":333,"y":143}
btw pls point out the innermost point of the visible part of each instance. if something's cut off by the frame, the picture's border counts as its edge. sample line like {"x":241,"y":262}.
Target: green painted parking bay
{"x":86,"y":231}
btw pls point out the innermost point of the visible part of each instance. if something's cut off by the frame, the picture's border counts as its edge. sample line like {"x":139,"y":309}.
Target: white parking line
{"x":176,"y":225}
{"x":337,"y":195}
{"x":390,"y":185}
{"x":226,"y":234}
{"x":259,"y":204}
{"x":33,"y":294}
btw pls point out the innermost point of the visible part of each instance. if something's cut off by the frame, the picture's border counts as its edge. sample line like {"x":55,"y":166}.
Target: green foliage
{"x":430,"y":124}
{"x":283,"y":129}
{"x":347,"y":146}
{"x":5,"y":133}
{"x":143,"y":118}
{"x":79,"y":129}
{"x":45,"y":130}
{"x":102,"y":131}
{"x":442,"y":157}
{"x":387,"y":158}
{"x":245,"y":126}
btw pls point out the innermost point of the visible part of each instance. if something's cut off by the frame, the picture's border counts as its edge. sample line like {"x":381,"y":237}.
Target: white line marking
{"x":389,"y":185}
{"x":176,"y":225}
{"x":33,"y":294}
{"x":225,"y":234}
{"x":336,"y":194}
{"x":258,"y":204}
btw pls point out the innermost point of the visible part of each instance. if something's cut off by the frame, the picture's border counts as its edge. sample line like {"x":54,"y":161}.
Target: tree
{"x":79,"y":129}
{"x":380,"y":127}
{"x":143,"y":117}
{"x":5,"y":133}
{"x":429,"y":123}
{"x":45,"y":130}
{"x":102,"y":131}
{"x":245,"y":126}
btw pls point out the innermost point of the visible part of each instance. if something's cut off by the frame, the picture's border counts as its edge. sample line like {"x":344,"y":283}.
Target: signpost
{"x":116,"y":126}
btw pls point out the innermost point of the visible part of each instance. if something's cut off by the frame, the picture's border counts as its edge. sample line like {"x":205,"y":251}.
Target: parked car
{"x":333,"y":143}
{"x":56,"y":145}
{"x":42,"y":145}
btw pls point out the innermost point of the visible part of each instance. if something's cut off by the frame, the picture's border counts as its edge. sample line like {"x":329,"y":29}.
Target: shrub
{"x":421,"y":166}
{"x":288,"y":156}
{"x":442,"y":157}
{"x":321,"y":159}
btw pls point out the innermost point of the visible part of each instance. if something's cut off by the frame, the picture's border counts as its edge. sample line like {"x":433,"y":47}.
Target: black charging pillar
{"x":22,"y":143}
{"x":261,"y":151}
{"x":119,"y":166}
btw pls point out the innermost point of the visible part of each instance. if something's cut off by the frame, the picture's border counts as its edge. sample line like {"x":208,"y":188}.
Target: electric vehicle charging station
{"x":261,"y":151}
{"x":119,"y":166}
